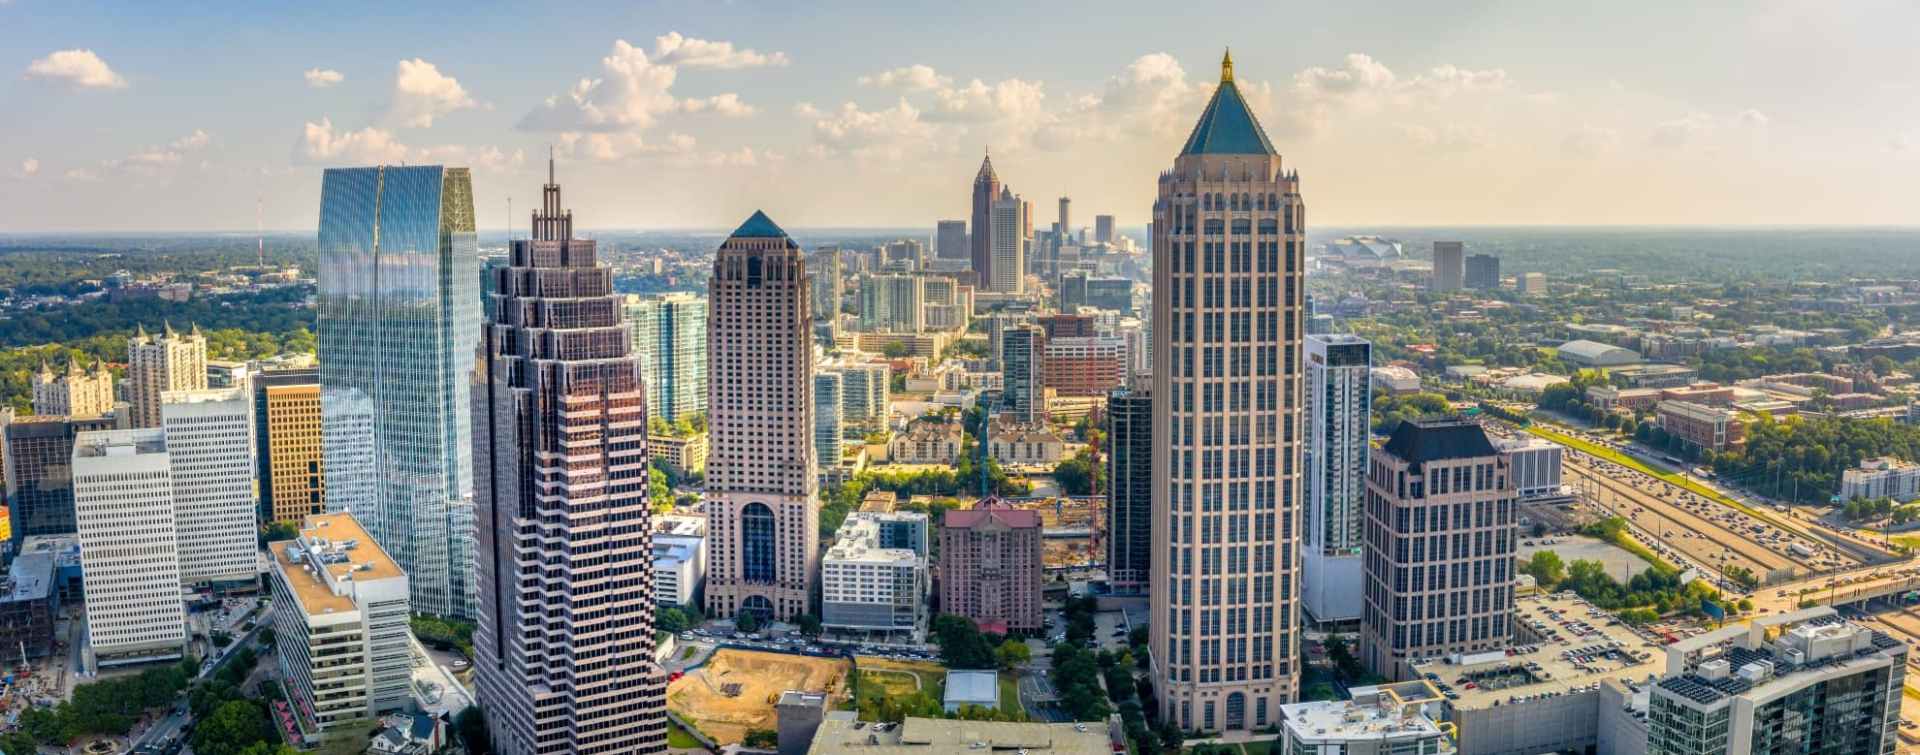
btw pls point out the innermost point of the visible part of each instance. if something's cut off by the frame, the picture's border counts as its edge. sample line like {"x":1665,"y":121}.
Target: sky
{"x":689,"y":114}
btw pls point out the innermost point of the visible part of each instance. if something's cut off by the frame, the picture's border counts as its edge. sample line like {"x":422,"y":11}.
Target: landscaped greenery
{"x":104,"y":708}
{"x":444,"y":633}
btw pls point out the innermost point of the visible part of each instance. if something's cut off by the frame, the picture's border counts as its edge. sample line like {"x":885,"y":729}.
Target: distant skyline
{"x":687,"y":115}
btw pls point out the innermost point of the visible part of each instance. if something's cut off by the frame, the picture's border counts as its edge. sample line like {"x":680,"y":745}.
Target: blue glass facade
{"x":399,"y":311}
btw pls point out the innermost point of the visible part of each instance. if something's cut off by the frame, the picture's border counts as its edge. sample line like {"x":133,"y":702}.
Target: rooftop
{"x":339,"y":545}
{"x":30,"y":578}
{"x":1424,"y":440}
{"x":973,"y":688}
{"x":1349,"y":720}
{"x":1227,"y":126}
{"x":759,"y":226}
{"x":992,"y":509}
{"x":839,"y":735}
{"x":1569,"y":646}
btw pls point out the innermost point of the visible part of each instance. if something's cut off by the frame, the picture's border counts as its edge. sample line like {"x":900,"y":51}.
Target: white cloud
{"x":1358,"y":74}
{"x":321,"y":78}
{"x":149,"y":160}
{"x":79,"y":68}
{"x":1447,"y":138}
{"x":1591,"y":141}
{"x":421,"y":93}
{"x":1702,"y":129}
{"x":1752,"y":118}
{"x":635,"y":90}
{"x":614,"y":147}
{"x":1902,"y":144}
{"x":893,"y":133}
{"x":675,"y":49}
{"x":29,"y":168}
{"x":913,"y":78}
{"x":199,"y":138}
{"x":321,"y":144}
{"x":728,"y":104}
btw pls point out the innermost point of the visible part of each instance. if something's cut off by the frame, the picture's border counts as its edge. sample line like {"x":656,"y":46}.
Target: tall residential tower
{"x":155,"y":365}
{"x":1228,"y":231}
{"x":1338,"y":409}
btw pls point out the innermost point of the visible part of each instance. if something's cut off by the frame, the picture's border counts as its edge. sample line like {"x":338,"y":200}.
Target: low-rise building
{"x":1885,"y":477}
{"x":1610,"y":398}
{"x":843,"y":734}
{"x":340,"y":625}
{"x":686,"y":453}
{"x":679,"y":559}
{"x":1707,"y":427}
{"x":971,"y":688}
{"x":1535,"y":465}
{"x":1389,"y":719}
{"x":1596,"y":354}
{"x":1396,"y":380}
{"x":29,"y":601}
{"x":874,"y":578}
{"x":1019,"y":443}
{"x":927,"y":441}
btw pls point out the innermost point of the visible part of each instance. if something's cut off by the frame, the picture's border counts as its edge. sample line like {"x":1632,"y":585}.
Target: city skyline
{"x":1471,"y":119}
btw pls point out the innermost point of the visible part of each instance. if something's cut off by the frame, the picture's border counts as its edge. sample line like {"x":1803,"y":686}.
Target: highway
{"x":1675,"y":527}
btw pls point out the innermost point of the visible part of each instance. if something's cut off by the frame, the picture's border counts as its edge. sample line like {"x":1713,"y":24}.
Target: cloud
{"x":913,"y":78}
{"x":724,"y":104}
{"x":29,"y":168}
{"x":1703,"y":129}
{"x":147,"y":160}
{"x":635,"y":90}
{"x":1752,"y":118}
{"x":1901,"y":144}
{"x":321,"y":78}
{"x":421,"y":93}
{"x":1591,"y":141}
{"x":615,"y":147}
{"x":320,"y":144}
{"x":892,"y":133}
{"x":79,"y":68}
{"x":675,"y":49}
{"x":1447,"y":138}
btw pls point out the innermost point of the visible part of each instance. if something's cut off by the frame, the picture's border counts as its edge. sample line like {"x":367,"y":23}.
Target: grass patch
{"x":1010,"y":691}
{"x":679,"y":739}
{"x":689,"y":652}
{"x":1257,"y":747}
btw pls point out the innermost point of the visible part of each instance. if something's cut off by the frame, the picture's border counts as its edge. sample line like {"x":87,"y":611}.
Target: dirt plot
{"x":736,"y":690}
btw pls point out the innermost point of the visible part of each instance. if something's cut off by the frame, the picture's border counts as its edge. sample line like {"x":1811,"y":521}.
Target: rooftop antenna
{"x":259,"y":231}
{"x":509,"y":219}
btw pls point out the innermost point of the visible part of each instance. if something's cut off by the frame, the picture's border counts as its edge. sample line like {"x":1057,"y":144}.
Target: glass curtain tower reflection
{"x":564,"y":646}
{"x":399,"y":311}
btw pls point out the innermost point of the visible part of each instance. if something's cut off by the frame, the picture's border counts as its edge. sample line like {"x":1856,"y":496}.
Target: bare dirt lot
{"x":736,"y":689}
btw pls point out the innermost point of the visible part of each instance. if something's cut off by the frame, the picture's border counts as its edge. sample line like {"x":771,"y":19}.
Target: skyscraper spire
{"x":1226,"y":67}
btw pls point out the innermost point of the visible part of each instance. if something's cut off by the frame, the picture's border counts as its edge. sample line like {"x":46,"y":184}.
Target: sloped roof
{"x":1227,"y":126}
{"x":992,"y":509}
{"x":759,"y":226}
{"x":1423,"y":440}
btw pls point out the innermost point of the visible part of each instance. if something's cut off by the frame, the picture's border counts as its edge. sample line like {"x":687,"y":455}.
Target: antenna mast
{"x":259,"y":232}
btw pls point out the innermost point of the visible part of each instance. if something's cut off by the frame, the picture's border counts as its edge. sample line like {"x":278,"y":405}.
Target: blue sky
{"x":137,"y":116}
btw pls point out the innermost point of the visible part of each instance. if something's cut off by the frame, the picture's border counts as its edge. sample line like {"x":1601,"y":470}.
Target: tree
{"x":1546,"y":568}
{"x":763,"y":739}
{"x":962,"y":645}
{"x":1343,"y":659}
{"x":233,"y":727}
{"x":1013,"y":654}
{"x":659,"y":493}
{"x":894,"y":350}
{"x":1081,"y":475}
{"x":471,"y":726}
{"x":747,"y":622}
{"x":809,"y":624}
{"x":675,"y":620}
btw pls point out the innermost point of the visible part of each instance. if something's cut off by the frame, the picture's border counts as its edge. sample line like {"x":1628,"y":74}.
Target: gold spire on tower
{"x":1226,"y":67}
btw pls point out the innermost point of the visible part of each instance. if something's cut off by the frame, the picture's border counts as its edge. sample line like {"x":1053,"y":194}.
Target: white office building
{"x":1009,"y":244}
{"x":210,"y":444}
{"x":340,"y":611}
{"x":123,"y":505}
{"x":679,"y":559}
{"x":874,"y":578}
{"x":1338,"y":406}
{"x":1536,"y":466}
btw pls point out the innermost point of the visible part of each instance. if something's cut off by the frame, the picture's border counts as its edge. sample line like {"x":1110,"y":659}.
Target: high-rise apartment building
{"x":1129,"y":490}
{"x":565,"y":644}
{"x":1441,"y":530}
{"x":870,"y":582}
{"x":289,"y":445}
{"x":155,"y":365}
{"x":865,"y":390}
{"x":75,"y":393}
{"x":210,"y":446}
{"x":763,"y":507}
{"x":1449,"y":269}
{"x":823,"y":281}
{"x":1482,"y":271}
{"x":123,"y":501}
{"x":991,"y":567}
{"x":399,"y":311}
{"x":1228,"y":236}
{"x":1103,"y":229}
{"x":1023,"y":384}
{"x":893,"y":303}
{"x":340,"y":625}
{"x":949,"y":240}
{"x":903,"y":254}
{"x":1337,"y":406}
{"x":39,"y":472}
{"x":829,"y":425}
{"x":1009,"y":244}
{"x":670,"y":337}
{"x":986,"y":189}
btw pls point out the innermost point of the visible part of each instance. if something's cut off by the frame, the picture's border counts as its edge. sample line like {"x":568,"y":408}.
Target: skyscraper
{"x":824,"y":282}
{"x":123,"y":494}
{"x":1129,"y":490}
{"x":1023,"y":384}
{"x":1066,"y":220}
{"x":1008,"y":269}
{"x":950,"y":240}
{"x":210,"y":447}
{"x":1440,"y":505}
{"x":1338,"y":405}
{"x":1482,"y":272}
{"x":828,"y":426}
{"x":986,"y":189}
{"x":76,"y":393}
{"x":564,"y":646}
{"x":763,"y":510}
{"x":893,"y":303}
{"x":399,"y":307}
{"x":1228,"y":235}
{"x":171,"y":362}
{"x":1448,"y":267}
{"x":991,"y":566}
{"x":289,"y":445}
{"x":1103,"y":229}
{"x":39,"y":471}
{"x":670,"y":337}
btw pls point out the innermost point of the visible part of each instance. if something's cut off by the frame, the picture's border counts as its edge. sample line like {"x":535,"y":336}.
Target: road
{"x":1710,"y":543}
{"x":175,"y":722}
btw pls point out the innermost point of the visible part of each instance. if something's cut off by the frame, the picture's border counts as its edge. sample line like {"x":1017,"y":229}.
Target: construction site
{"x":735,"y":690}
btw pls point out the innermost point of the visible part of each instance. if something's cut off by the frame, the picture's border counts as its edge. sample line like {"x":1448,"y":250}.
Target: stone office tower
{"x":986,"y":189}
{"x":763,"y":508}
{"x":1227,"y":245}
{"x":564,"y":644}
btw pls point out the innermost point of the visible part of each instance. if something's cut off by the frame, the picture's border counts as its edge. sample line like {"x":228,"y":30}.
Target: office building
{"x":399,"y":312}
{"x":1449,"y":267}
{"x":1008,"y":274}
{"x":950,"y":240}
{"x":679,"y":560}
{"x":1066,"y":220}
{"x":290,"y":444}
{"x":685,"y":453}
{"x":841,"y":733}
{"x":1338,"y":407}
{"x":1228,"y":246}
{"x":155,"y":365}
{"x":1708,"y":428}
{"x":869,"y":585}
{"x":1440,"y":561}
{"x":1111,"y":293}
{"x":30,"y":604}
{"x":1388,"y":719}
{"x":1806,"y":682}
{"x":565,"y":643}
{"x":210,"y":446}
{"x":893,"y":303}
{"x":1088,"y":366}
{"x":123,"y":503}
{"x":904,"y":254}
{"x":670,"y":337}
{"x":991,"y":566}
{"x":1022,"y":357}
{"x":1482,"y":271}
{"x":74,"y":393}
{"x":1129,"y":490}
{"x":763,"y":506}
{"x":1885,"y":477}
{"x":986,"y":189}
{"x":1071,"y":294}
{"x":1103,"y":229}
{"x":824,"y":283}
{"x":1533,"y":284}
{"x":39,"y":472}
{"x":340,"y":626}
{"x":1535,"y":463}
{"x":829,"y":417}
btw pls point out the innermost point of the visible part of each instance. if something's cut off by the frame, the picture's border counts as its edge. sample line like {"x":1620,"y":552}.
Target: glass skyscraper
{"x":670,"y":337}
{"x":399,"y":318}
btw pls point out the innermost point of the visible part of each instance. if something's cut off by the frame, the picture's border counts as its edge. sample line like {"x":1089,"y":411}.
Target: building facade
{"x":1084,"y":366}
{"x":1008,"y":274}
{"x":950,"y":240}
{"x":1885,"y":477}
{"x":986,"y":189}
{"x":290,"y":445}
{"x":123,"y":501}
{"x":991,"y":567}
{"x":1440,"y":543}
{"x":565,"y":643}
{"x":1103,"y":229}
{"x":679,"y":560}
{"x":893,"y":303}
{"x":1130,"y":490}
{"x":1338,"y":409}
{"x":763,"y":506}
{"x":670,"y":337}
{"x":871,"y":584}
{"x":75,"y":393}
{"x":39,"y":472}
{"x":1449,"y":266}
{"x":1535,"y":463}
{"x":1022,"y":379}
{"x":1709,"y":428}
{"x":829,"y":422}
{"x":340,"y":625}
{"x":210,"y":445}
{"x":399,"y":312}
{"x":1482,"y":271}
{"x":155,"y":365}
{"x":1228,"y":245}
